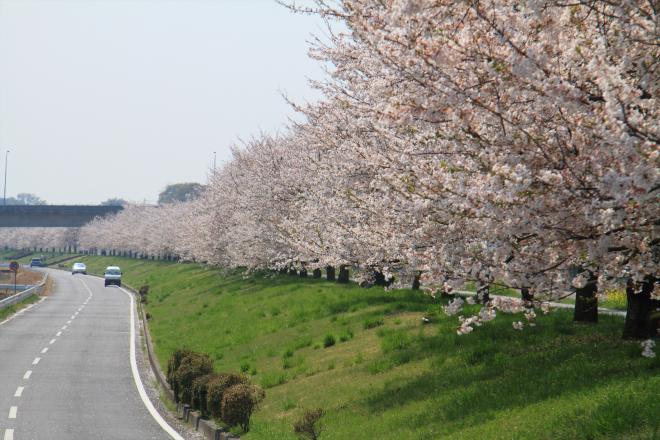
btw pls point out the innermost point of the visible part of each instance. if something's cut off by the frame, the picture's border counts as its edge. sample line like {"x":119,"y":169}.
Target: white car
{"x":79,"y":268}
{"x":112,"y":276}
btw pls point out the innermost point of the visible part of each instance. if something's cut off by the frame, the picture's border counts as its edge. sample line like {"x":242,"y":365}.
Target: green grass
{"x":6,"y":313}
{"x":388,"y":376}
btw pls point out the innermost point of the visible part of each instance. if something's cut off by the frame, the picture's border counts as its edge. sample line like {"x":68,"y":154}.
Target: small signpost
{"x":13,"y":266}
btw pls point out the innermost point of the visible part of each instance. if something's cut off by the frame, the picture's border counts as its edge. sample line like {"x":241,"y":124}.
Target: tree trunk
{"x":330,"y":273}
{"x":293,"y":271}
{"x":526,"y":295}
{"x":640,"y":320}
{"x":343,"y":275}
{"x":379,"y":278}
{"x":586,"y":303}
{"x":316,"y":273}
{"x":303,"y":273}
{"x":483,"y":292}
{"x":416,"y":284}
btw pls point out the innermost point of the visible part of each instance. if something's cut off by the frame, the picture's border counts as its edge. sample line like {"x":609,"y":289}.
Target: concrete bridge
{"x":52,"y":216}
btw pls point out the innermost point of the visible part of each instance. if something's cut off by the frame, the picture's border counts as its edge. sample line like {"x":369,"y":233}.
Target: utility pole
{"x":215,"y":157}
{"x":4,"y":198}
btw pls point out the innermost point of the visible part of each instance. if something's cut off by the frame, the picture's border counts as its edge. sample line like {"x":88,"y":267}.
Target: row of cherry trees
{"x":487,"y":141}
{"x":40,"y":238}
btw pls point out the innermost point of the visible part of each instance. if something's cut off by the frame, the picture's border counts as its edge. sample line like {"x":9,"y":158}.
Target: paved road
{"x":65,"y":372}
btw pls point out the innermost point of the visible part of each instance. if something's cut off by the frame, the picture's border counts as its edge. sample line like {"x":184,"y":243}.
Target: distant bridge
{"x":52,"y":216}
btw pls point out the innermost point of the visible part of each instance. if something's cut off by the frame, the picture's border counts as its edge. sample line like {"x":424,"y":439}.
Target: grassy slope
{"x":401,"y":380}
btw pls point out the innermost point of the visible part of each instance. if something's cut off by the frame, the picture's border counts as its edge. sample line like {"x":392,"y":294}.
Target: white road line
{"x":44,"y":351}
{"x":138,"y":381}
{"x":64,"y":327}
{"x":52,"y":341}
{"x":36,"y":361}
{"x":9,"y":434}
{"x":19,"y":392}
{"x":27,"y":374}
{"x":12,"y":412}
{"x":58,"y":333}
{"x":68,"y":322}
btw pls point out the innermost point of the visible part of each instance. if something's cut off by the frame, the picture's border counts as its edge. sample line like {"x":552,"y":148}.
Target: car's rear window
{"x":113,"y":272}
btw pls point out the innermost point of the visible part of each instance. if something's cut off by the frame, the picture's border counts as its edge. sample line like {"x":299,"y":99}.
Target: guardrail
{"x":35,"y":290}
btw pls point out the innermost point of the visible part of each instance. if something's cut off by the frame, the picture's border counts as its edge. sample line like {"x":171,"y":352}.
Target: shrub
{"x":199,"y":392}
{"x":373,"y":323}
{"x":216,"y":388}
{"x":172,"y":367}
{"x":144,"y":291}
{"x":310,"y":426}
{"x":329,"y":341}
{"x":192,"y":366}
{"x":238,"y":403}
{"x":347,"y":335}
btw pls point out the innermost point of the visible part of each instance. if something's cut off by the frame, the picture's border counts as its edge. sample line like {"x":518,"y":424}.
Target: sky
{"x":119,"y":98}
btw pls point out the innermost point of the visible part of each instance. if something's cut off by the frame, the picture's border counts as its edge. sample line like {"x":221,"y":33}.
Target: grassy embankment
{"x":388,"y":376}
{"x":5,"y":313}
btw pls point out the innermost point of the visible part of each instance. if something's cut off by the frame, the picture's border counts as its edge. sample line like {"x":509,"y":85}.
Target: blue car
{"x":36,"y":262}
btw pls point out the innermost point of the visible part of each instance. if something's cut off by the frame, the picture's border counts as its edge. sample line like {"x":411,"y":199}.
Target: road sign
{"x":13,"y":266}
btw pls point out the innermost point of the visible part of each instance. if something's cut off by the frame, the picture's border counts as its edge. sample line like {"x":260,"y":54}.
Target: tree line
{"x":487,"y":141}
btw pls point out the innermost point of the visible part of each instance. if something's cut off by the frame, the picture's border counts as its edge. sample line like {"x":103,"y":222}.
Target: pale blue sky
{"x":118,"y":98}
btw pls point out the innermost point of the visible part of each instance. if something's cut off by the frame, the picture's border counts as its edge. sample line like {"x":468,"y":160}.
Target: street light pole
{"x":4,"y":197}
{"x":215,"y":157}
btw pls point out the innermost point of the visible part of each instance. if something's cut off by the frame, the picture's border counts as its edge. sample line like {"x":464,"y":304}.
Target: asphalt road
{"x":65,"y":368}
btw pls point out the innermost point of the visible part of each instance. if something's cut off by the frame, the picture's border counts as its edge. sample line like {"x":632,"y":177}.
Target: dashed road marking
{"x":27,"y":374}
{"x":9,"y":434}
{"x":68,"y":322}
{"x":19,"y":392}
{"x":44,"y":351}
{"x":64,"y":327}
{"x":52,"y":341}
{"x":36,"y":361}
{"x":12,"y":412}
{"x":59,"y":333}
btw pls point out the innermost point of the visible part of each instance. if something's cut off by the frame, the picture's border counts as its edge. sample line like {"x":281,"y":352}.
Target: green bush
{"x":309,"y":426}
{"x":329,"y":341}
{"x":192,"y":366}
{"x":238,"y":403}
{"x":216,"y":387}
{"x":144,"y":291}
{"x":199,"y":393}
{"x":172,"y":367}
